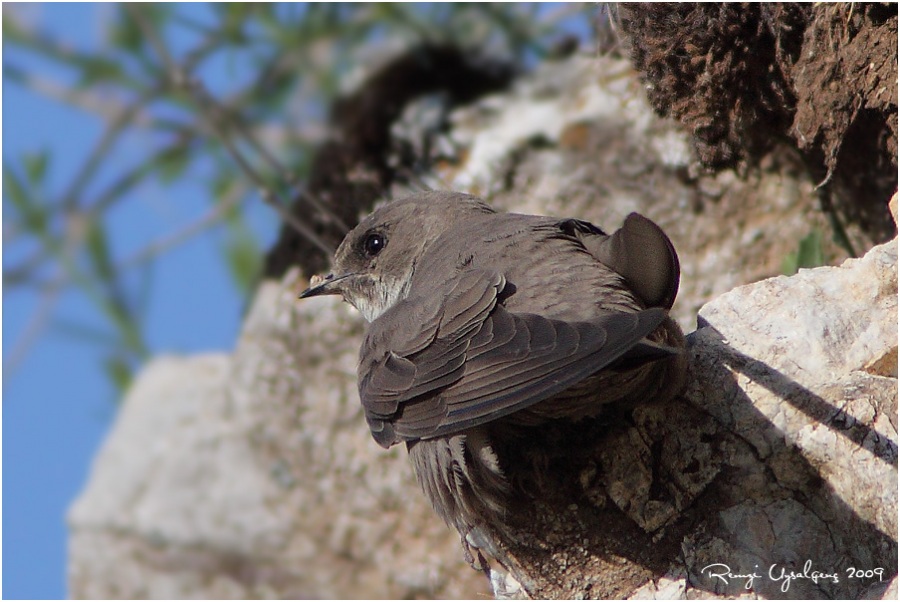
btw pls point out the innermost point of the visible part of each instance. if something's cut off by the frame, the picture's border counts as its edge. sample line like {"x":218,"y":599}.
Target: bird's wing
{"x":640,"y":251}
{"x":436,"y":364}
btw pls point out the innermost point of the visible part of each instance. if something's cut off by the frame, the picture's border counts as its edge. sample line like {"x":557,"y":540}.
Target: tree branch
{"x":213,"y":117}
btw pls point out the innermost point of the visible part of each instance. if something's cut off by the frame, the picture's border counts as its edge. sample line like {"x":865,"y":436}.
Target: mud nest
{"x":746,"y":77}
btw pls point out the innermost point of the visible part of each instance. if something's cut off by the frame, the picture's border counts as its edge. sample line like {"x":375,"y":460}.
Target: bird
{"x":487,"y":326}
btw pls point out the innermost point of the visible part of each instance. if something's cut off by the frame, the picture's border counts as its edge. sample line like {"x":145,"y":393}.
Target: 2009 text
{"x":855,"y":573}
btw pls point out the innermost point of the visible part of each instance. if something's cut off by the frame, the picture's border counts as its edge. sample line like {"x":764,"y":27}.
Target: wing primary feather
{"x":530,"y":382}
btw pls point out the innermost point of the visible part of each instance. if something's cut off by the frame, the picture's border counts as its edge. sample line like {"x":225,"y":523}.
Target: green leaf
{"x":234,"y":16}
{"x":15,"y":189}
{"x":11,"y":30}
{"x":244,"y":258}
{"x":131,"y":334}
{"x":276,"y":91}
{"x":789,"y":264}
{"x":130,"y":337}
{"x":98,"y":251}
{"x":173,"y":161}
{"x":34,"y":217}
{"x":126,"y":33}
{"x":809,"y":254}
{"x":119,"y":372}
{"x":221,"y":183}
{"x":36,"y":166}
{"x":96,"y":69}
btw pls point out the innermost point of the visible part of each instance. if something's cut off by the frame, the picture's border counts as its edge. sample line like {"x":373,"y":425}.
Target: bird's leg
{"x":476,"y":561}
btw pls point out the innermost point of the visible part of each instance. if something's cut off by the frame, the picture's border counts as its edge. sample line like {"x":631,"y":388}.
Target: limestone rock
{"x":780,"y":364}
{"x":254,"y":475}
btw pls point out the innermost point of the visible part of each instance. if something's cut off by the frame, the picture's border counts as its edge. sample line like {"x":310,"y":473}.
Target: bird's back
{"x":549,"y":271}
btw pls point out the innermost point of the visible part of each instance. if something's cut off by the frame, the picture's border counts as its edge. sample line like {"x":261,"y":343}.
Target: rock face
{"x":253,"y":474}
{"x":791,"y":368}
{"x":780,"y":459}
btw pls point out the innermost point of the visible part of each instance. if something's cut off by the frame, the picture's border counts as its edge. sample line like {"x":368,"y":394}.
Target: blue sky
{"x":59,"y":405}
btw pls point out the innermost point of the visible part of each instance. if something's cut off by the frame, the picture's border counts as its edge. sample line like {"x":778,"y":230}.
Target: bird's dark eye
{"x":374,"y":243}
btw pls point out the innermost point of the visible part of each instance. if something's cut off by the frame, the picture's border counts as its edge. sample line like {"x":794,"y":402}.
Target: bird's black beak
{"x":327,"y":285}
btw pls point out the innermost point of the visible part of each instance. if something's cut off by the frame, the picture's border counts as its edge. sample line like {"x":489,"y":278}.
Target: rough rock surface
{"x":780,"y":458}
{"x":253,"y":474}
{"x":781,"y":364}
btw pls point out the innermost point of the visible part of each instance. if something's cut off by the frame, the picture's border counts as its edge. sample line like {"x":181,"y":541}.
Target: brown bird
{"x":486,"y":324}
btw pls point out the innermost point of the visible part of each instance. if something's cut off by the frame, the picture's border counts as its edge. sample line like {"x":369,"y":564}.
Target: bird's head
{"x":375,"y":263}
